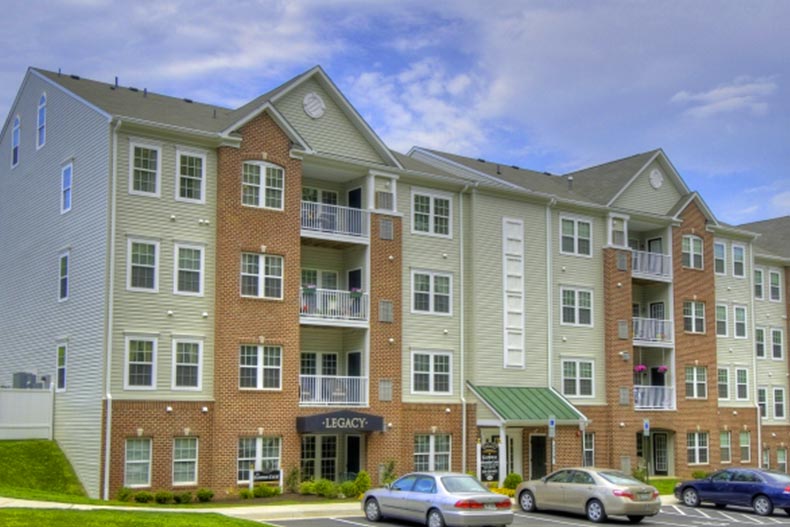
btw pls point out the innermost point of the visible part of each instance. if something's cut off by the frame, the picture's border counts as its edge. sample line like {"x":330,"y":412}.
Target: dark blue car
{"x":759,"y":489}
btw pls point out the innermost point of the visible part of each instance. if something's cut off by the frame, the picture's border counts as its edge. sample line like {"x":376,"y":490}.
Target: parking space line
{"x":679,"y":510}
{"x":703,"y":513}
{"x":750,"y":518}
{"x":349,"y":522}
{"x":728,"y":516}
{"x":542,"y":518}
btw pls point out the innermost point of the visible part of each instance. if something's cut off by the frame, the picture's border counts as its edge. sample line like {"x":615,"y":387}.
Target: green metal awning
{"x":518,"y":405}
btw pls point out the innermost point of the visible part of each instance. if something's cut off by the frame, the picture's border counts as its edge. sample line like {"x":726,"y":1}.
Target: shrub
{"x":699,"y":474}
{"x":246,"y":494}
{"x":389,"y":472}
{"x":292,"y":480}
{"x":362,"y":481}
{"x":183,"y":497}
{"x":349,"y":489}
{"x":125,"y":494}
{"x":265,"y":491}
{"x":143,"y":497}
{"x":326,"y":488}
{"x":307,"y":487}
{"x":205,"y":495}
{"x":504,"y":491}
{"x":640,"y":473}
{"x":163,"y":497}
{"x":512,"y":480}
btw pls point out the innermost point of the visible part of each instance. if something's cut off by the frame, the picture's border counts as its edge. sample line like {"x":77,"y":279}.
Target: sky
{"x":548,"y":85}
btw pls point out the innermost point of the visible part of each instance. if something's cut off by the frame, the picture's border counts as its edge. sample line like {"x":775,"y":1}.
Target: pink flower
{"x":640,"y":368}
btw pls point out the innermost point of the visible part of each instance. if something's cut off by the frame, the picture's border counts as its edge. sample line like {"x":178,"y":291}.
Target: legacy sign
{"x":340,"y":422}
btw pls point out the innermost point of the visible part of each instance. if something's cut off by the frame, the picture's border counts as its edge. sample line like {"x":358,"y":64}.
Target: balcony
{"x":332,"y":390}
{"x":652,"y":332}
{"x":654,"y":397}
{"x":333,"y":307}
{"x":332,"y":222}
{"x":651,"y":266}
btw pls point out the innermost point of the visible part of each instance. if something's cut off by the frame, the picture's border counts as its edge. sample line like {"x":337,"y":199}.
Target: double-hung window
{"x":577,"y":378}
{"x":431,"y":213}
{"x":64,"y":268}
{"x":187,"y":364}
{"x":697,"y":448}
{"x":738,"y":261}
{"x":588,"y":449}
{"x":739,"y":331}
{"x":694,"y":317}
{"x":262,"y":185}
{"x":185,"y":460}
{"x":432,"y":452}
{"x":719,"y":258}
{"x":575,"y":236}
{"x":759,"y":342}
{"x":262,"y":276}
{"x":691,"y":254}
{"x":696,"y":382}
{"x":724,"y":383}
{"x":781,"y":460}
{"x":762,"y":401}
{"x":260,"y":367}
{"x":257,"y":453}
{"x":741,"y":384}
{"x":15,"y":135}
{"x":618,"y":231}
{"x":777,"y":343}
{"x":721,"y":320}
{"x":140,"y":363}
{"x":431,"y":292}
{"x":576,"y":307}
{"x":145,"y":170}
{"x":775,"y":286}
{"x":758,"y":284}
{"x":431,"y":372}
{"x":41,"y":121}
{"x":725,"y":447}
{"x":779,"y":403}
{"x":66,"y":183}
{"x":191,"y":177}
{"x":188,"y":279}
{"x":745,"y":440}
{"x":62,"y":357}
{"x":143,"y":263}
{"x":137,"y":469}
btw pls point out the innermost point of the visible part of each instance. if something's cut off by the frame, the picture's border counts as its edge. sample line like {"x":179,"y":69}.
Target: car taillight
{"x":787,"y":490}
{"x":656,"y":494}
{"x":623,"y":494}
{"x":504,"y":504}
{"x":468,"y":504}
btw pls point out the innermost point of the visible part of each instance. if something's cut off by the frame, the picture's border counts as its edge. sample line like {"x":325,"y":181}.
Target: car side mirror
{"x":543,"y":479}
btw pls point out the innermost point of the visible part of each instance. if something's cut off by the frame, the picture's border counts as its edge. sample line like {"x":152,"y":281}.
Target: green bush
{"x":125,"y":494}
{"x":307,"y":487}
{"x":183,"y":497}
{"x":389,"y":472}
{"x":699,"y":474}
{"x":640,"y":473}
{"x":292,"y":480}
{"x":326,"y":488}
{"x":143,"y":497}
{"x":265,"y":491}
{"x":512,"y":480}
{"x":246,"y":494}
{"x":362,"y":481}
{"x":349,"y":489}
{"x":205,"y":495}
{"x":163,"y":497}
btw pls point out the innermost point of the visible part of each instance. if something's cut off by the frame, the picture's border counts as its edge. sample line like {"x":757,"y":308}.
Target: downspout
{"x":754,"y":364}
{"x":462,"y":372}
{"x":549,"y":293}
{"x":110,"y":303}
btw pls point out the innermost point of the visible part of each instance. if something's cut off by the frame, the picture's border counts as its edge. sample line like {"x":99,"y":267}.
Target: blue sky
{"x":551,"y":86}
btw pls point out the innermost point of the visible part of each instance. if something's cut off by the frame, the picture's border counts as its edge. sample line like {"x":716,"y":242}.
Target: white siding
{"x":641,"y":196}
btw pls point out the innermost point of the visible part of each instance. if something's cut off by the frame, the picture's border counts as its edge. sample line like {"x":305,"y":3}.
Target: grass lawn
{"x":37,"y":466}
{"x":115,"y":518}
{"x":665,"y":486}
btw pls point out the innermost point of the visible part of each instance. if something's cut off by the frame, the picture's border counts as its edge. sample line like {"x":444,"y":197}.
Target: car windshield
{"x":462,"y":484}
{"x":619,"y":478}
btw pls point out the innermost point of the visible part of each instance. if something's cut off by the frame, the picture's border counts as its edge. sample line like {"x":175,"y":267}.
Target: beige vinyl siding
{"x":325,"y":259}
{"x":322,"y":339}
{"x":168,"y":222}
{"x":641,"y":196}
{"x":333,"y":132}
{"x":32,"y":235}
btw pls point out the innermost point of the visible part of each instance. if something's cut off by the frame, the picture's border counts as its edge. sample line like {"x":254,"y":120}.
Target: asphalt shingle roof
{"x":774,"y":235}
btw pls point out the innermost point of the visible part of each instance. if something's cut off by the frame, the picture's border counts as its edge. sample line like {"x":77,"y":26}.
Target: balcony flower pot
{"x":663,"y":369}
{"x":639,"y":368}
{"x":356,"y":293}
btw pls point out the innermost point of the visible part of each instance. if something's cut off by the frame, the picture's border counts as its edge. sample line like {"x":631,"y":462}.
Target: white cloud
{"x":781,"y":202}
{"x":743,"y":94}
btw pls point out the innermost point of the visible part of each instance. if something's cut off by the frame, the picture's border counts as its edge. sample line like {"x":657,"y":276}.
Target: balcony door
{"x":657,"y":310}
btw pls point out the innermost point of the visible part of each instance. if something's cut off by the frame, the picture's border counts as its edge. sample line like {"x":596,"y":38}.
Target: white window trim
{"x":202,"y":249}
{"x":726,"y":321}
{"x":508,"y":330}
{"x":16,"y":130}
{"x":765,"y":399}
{"x":691,"y":238}
{"x":44,"y":126}
{"x":576,"y":291}
{"x":67,"y":255}
{"x":262,"y":187}
{"x":782,"y":340}
{"x":766,"y":333}
{"x":696,"y":381}
{"x":187,"y":340}
{"x":743,"y":260}
{"x":784,"y":404}
{"x":65,"y":346}
{"x":737,"y":384}
{"x":154,"y":358}
{"x":431,"y":194}
{"x":748,"y":445}
{"x":259,"y":453}
{"x":181,"y":151}
{"x":259,"y":369}
{"x":578,"y":378}
{"x":197,"y":462}
{"x":126,"y":462}
{"x":724,"y":258}
{"x":150,"y":146}
{"x":729,"y":446}
{"x":576,"y":219}
{"x":694,"y":305}
{"x":431,"y":373}
{"x":729,"y":391}
{"x":735,"y":335}
{"x":431,"y":299}
{"x":432,"y":452}
{"x":588,"y":446}
{"x":149,"y":241}
{"x":697,"y":448}
{"x":262,"y":276}
{"x":779,"y":274}
{"x":70,"y":167}
{"x":610,"y":230}
{"x":761,"y":282}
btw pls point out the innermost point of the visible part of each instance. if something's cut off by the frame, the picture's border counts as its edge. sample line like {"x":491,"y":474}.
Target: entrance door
{"x":355,"y":279}
{"x":353,"y":451}
{"x":660,"y":455}
{"x":655,"y":264}
{"x":355,"y":198}
{"x":537,"y":456}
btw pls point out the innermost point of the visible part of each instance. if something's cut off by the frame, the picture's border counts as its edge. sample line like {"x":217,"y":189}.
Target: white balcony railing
{"x":652,"y":330}
{"x":333,"y":304}
{"x":654,"y":397}
{"x":651,"y":265}
{"x":334,"y":219}
{"x":333,"y":390}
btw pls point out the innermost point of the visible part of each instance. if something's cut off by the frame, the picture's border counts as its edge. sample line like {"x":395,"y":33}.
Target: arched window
{"x":15,"y":143}
{"x":41,"y":127}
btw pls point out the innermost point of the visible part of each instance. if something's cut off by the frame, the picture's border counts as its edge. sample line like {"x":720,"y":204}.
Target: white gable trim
{"x":678,"y":181}
{"x":281,"y":121}
{"x":705,"y":209}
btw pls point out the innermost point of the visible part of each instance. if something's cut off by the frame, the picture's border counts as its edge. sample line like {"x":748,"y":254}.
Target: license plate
{"x":490,"y":506}
{"x":644,"y":496}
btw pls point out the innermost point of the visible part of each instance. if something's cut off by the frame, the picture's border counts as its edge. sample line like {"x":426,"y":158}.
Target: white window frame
{"x":578,"y":378}
{"x":432,"y":452}
{"x":760,"y":330}
{"x":180,"y":151}
{"x":263,"y":187}
{"x":432,"y":196}
{"x":61,"y":370}
{"x":146,"y":241}
{"x":771,"y":297}
{"x":176,"y":364}
{"x":259,"y":459}
{"x":741,"y":385}
{"x":781,"y":462}
{"x":745,"y":445}
{"x":260,"y":368}
{"x":692,"y":253}
{"x":432,"y":293}
{"x":148,"y":146}
{"x":759,"y":283}
{"x":41,"y":121}
{"x":66,"y":190}
{"x":726,"y":383}
{"x":722,"y":308}
{"x":126,"y":363}
{"x":432,"y":373}
{"x":262,"y":276}
{"x":576,"y":220}
{"x":576,"y":308}
{"x":513,"y":297}
{"x":695,"y":381}
{"x":192,"y":461}
{"x":64,"y":278}
{"x":762,"y":401}
{"x":16,"y":140}
{"x":696,"y":307}
{"x":742,"y":261}
{"x":588,"y":449}
{"x":146,"y":462}
{"x":612,"y":219}
{"x":697,"y":447}
{"x":723,"y":259}
{"x":783,"y":414}
{"x":781,"y":334}
{"x":725,"y":446}
{"x":736,"y":333}
{"x":176,"y":269}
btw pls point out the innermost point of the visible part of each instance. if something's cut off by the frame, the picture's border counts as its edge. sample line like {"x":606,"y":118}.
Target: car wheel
{"x":527,"y":501}
{"x":762,"y":505}
{"x":635,"y":519}
{"x":690,"y":497}
{"x":435,"y":518}
{"x":595,"y":511}
{"x":372,"y":510}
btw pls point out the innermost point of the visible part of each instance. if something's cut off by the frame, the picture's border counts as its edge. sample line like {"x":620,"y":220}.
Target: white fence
{"x":26,"y":414}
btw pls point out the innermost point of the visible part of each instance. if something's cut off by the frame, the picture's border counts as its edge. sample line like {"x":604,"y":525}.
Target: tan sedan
{"x":595,"y":492}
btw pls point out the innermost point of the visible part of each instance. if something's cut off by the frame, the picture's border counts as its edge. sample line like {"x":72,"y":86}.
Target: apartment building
{"x":222,"y":294}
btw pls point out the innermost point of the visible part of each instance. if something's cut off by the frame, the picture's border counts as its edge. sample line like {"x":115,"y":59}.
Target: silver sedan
{"x":438,"y":499}
{"x":594,"y":492}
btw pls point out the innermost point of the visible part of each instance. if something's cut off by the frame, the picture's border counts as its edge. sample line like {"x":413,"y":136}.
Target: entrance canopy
{"x":527,"y":406}
{"x":342,"y":421}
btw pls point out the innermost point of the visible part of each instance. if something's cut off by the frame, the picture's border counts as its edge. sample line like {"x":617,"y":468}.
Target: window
{"x":145,"y":170}
{"x":697,"y":448}
{"x":257,"y":453}
{"x":721,"y":320}
{"x":779,"y":403}
{"x":187,"y":364}
{"x":618,"y":234}
{"x":262,"y":185}
{"x":777,"y":338}
{"x":781,"y":460}
{"x":431,"y":213}
{"x":431,"y":372}
{"x":137,"y":470}
{"x":319,"y":457}
{"x":758,"y":284}
{"x":575,"y":236}
{"x":386,"y":311}
{"x":63,"y":275}
{"x":431,"y":452}
{"x":15,"y":134}
{"x":185,"y":456}
{"x":725,"y":447}
{"x":588,"y":449}
{"x":66,"y":176}
{"x":143,"y":263}
{"x":724,"y":383}
{"x":762,"y":402}
{"x":188,"y":279}
{"x":62,"y":352}
{"x":740,"y":322}
{"x":746,"y":446}
{"x":41,"y":121}
{"x":696,"y":382}
{"x":191,"y":178}
{"x":741,"y":384}
{"x":140,"y":363}
{"x":738,"y":265}
{"x":431,"y":292}
{"x":577,"y":378}
{"x":759,"y":342}
{"x":260,"y":367}
{"x":766,"y":459}
{"x":775,"y":285}
{"x":576,"y":305}
{"x":694,"y":317}
{"x":266,"y":284}
{"x":719,"y":258}
{"x":692,"y":252}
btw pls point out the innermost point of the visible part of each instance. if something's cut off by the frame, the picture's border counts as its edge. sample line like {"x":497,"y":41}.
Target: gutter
{"x":462,"y":372}
{"x":549,"y":294}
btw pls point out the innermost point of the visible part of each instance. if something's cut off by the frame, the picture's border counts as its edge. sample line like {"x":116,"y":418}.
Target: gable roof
{"x":603,"y":183}
{"x":525,"y":405}
{"x":774,"y":235}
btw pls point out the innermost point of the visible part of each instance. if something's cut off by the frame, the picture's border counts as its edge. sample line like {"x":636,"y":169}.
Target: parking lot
{"x":670,"y":516}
